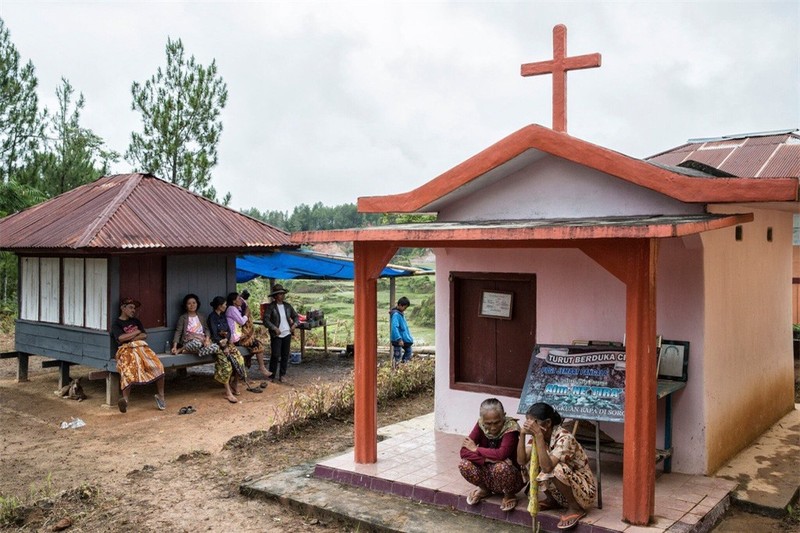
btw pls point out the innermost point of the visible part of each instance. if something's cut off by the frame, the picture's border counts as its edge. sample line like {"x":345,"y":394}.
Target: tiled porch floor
{"x":414,"y":461}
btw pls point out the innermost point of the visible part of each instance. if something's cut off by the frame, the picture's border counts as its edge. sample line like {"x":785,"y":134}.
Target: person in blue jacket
{"x":399,"y":335}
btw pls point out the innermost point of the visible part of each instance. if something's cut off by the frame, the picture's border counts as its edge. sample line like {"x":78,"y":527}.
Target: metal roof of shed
{"x":135,"y":212}
{"x":752,"y":155}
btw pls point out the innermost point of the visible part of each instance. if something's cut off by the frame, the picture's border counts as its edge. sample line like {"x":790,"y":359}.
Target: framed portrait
{"x":496,"y":304}
{"x":673,"y":360}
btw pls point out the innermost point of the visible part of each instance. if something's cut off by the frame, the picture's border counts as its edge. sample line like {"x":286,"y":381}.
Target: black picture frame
{"x":673,"y":360}
{"x":496,"y":304}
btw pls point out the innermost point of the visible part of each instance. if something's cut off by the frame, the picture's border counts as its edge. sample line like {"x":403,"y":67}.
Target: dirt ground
{"x":148,"y":470}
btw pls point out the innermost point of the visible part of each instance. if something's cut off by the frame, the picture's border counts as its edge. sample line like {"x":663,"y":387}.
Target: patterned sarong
{"x":196,"y":347}
{"x":137,"y":364}
{"x":248,"y":338}
{"x":229,"y":360}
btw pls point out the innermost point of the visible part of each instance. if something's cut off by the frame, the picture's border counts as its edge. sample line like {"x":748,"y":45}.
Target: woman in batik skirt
{"x":567,"y":478}
{"x":489,"y":456}
{"x":229,"y":367}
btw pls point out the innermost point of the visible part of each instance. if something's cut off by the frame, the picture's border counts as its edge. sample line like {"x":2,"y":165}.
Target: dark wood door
{"x":492,"y":352}
{"x":143,"y":278}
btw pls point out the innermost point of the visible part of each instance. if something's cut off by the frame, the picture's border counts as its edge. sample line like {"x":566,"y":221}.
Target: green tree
{"x":20,"y":120}
{"x":74,"y":155}
{"x":180,"y":109}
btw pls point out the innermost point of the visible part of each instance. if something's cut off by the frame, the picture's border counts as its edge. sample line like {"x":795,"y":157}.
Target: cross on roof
{"x":559,"y":66}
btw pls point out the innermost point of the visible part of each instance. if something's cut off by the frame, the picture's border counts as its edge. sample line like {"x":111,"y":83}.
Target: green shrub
{"x":11,"y":511}
{"x":332,"y":400}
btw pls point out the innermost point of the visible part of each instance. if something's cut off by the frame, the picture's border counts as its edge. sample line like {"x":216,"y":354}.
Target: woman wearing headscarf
{"x":489,"y":456}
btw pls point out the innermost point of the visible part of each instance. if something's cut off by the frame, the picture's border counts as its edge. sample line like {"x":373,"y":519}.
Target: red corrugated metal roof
{"x":750,"y":155}
{"x":134,"y":212}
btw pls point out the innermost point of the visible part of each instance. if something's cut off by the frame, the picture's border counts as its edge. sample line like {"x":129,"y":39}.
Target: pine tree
{"x":20,"y":120}
{"x":74,"y":155}
{"x":180,"y":109}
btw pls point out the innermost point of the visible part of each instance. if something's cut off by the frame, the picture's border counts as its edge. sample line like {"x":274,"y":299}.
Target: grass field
{"x":335,"y":299}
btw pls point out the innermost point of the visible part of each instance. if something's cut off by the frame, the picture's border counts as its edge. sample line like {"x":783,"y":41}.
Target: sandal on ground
{"x":186,"y":410}
{"x":257,"y":390}
{"x":122,"y":403}
{"x":263,"y":384}
{"x":161,"y":404}
{"x":477,"y":496}
{"x":571,"y":520}
{"x":508,"y":503}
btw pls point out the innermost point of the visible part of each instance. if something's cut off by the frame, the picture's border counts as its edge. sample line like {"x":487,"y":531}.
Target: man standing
{"x":399,"y":335}
{"x":281,"y":319}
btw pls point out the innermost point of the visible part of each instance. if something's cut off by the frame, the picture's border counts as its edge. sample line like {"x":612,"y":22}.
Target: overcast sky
{"x":331,"y":101}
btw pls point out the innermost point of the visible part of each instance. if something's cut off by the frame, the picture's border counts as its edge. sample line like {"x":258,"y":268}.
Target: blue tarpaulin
{"x":302,"y":264}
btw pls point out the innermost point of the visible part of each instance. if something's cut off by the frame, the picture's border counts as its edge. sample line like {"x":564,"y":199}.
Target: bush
{"x":332,"y":400}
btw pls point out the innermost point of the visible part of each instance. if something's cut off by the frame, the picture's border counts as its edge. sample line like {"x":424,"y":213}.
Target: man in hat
{"x":281,"y":320}
{"x":398,"y":333}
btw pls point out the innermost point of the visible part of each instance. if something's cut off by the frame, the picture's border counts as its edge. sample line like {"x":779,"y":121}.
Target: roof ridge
{"x":111,"y":208}
{"x":232,"y":210}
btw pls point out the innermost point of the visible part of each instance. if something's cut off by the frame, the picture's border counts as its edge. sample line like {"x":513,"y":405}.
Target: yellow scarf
{"x":533,"y":490}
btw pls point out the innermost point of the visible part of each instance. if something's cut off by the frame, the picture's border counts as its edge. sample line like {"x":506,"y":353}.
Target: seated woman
{"x":568,"y":480}
{"x":489,"y":456}
{"x":137,"y":364}
{"x":241,"y":326}
{"x":191,"y":332}
{"x":248,"y":338}
{"x":229,"y":367}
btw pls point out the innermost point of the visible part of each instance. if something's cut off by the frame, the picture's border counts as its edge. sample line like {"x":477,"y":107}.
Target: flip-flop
{"x":475,"y":497}
{"x":122,"y":403}
{"x":263,"y":384}
{"x":508,"y":503}
{"x":255,"y":389}
{"x":161,"y":404}
{"x":570,"y":521}
{"x":186,"y":410}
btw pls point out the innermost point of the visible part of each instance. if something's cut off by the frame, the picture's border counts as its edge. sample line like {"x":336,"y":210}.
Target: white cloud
{"x":329,"y":101}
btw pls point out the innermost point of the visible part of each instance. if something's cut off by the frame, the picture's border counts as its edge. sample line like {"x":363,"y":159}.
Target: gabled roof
{"x":765,"y":154}
{"x":130,"y":212}
{"x":534,"y":141}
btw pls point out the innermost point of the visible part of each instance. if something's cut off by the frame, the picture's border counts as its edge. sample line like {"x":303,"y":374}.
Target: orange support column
{"x":370,"y":259}
{"x":639,"y":474}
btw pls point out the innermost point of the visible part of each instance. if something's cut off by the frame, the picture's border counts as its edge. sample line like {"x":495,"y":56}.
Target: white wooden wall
{"x":85,"y":291}
{"x":73,"y":291}
{"x":97,"y":293}
{"x":49,"y":297}
{"x":29,"y":296}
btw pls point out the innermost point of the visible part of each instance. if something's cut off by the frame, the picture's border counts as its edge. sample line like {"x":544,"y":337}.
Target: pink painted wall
{"x":577,"y":299}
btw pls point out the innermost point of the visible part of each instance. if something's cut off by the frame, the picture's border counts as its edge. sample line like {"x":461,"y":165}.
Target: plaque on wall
{"x":496,"y":304}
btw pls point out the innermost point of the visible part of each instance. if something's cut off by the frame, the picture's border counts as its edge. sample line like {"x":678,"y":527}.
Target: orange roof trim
{"x":678,"y":186}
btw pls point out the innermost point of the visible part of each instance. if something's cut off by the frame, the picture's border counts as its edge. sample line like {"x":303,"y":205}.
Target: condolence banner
{"x":586,"y":382}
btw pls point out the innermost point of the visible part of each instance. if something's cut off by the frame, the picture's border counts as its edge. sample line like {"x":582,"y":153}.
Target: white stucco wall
{"x":554,"y":188}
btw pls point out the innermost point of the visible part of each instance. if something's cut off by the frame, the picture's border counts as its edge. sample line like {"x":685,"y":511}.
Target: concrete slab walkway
{"x":767,"y":473}
{"x":415,"y":486}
